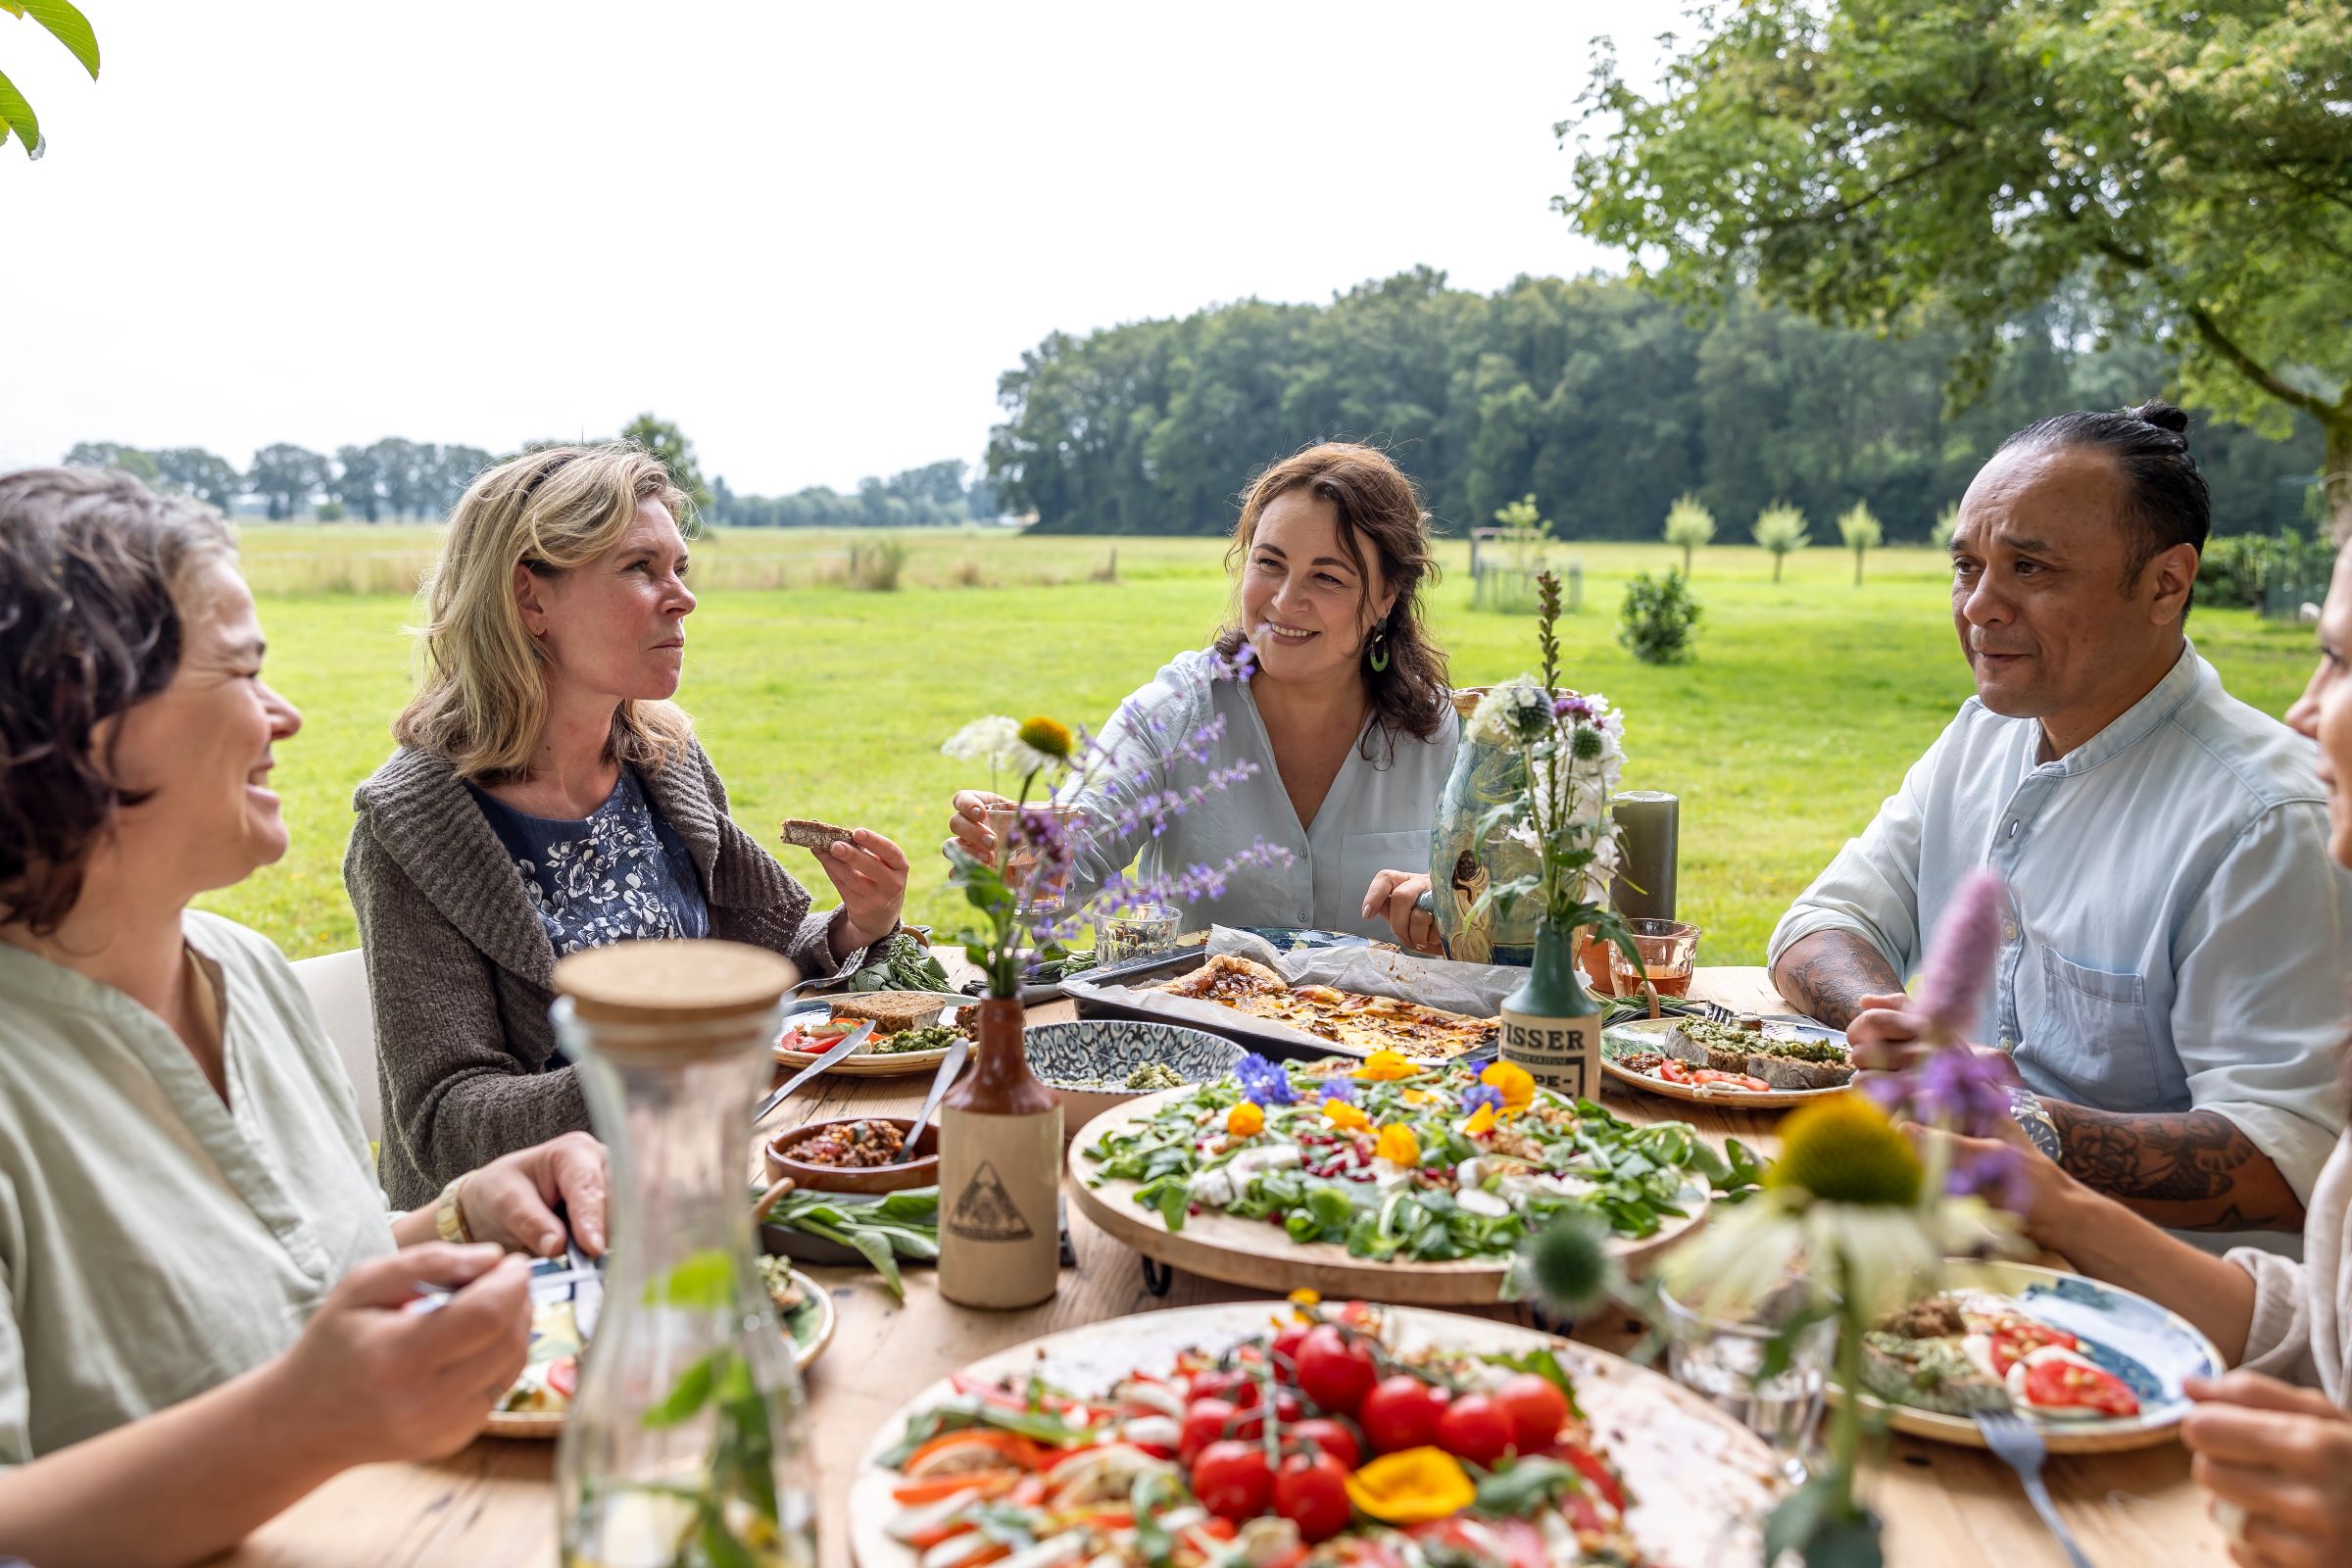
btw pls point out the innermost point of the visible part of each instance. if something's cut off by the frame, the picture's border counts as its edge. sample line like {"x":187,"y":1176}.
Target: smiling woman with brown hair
{"x":547,"y":796}
{"x":201,"y":1288}
{"x":1347,"y":717}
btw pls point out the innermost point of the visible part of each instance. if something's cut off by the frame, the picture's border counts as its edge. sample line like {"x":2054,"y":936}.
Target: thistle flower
{"x":1569,"y":1265}
{"x":1960,"y":958}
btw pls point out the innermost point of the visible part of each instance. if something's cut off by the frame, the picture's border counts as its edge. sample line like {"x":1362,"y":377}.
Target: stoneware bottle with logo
{"x":1550,"y":1026}
{"x":999,"y":1174}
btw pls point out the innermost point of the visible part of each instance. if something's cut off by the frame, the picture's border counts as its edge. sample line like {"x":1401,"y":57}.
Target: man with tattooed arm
{"x":2175,"y":943}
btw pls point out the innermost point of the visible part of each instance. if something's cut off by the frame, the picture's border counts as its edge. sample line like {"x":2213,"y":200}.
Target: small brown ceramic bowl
{"x":920,"y":1171}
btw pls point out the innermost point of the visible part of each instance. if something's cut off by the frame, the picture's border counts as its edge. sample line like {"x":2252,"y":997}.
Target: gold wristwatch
{"x":449,"y":1215}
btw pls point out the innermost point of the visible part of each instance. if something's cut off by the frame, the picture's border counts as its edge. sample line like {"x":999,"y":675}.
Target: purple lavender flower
{"x":1478,"y":1095}
{"x":1239,"y":667}
{"x":1964,"y":1090}
{"x":1960,"y":958}
{"x":1263,"y":1082}
{"x":1998,"y":1172}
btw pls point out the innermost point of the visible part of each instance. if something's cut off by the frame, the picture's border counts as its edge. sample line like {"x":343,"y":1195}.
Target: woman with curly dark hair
{"x":1347,"y":715}
{"x":201,"y":1288}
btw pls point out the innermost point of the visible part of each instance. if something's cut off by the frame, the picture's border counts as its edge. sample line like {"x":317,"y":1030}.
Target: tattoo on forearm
{"x":2191,"y":1171}
{"x":1828,"y":973}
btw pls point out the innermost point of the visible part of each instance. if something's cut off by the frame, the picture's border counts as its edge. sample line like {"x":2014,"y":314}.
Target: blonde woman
{"x":547,"y":797}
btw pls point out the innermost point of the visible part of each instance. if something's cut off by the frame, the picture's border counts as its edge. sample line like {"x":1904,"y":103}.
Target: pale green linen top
{"x":153,"y":1241}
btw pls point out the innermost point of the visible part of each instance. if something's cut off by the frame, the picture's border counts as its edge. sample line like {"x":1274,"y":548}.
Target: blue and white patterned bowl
{"x":1085,"y":1062}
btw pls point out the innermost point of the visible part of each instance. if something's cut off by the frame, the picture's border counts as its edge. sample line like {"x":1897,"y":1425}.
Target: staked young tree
{"x":1688,"y":525}
{"x":1859,"y":530}
{"x":1780,"y":528}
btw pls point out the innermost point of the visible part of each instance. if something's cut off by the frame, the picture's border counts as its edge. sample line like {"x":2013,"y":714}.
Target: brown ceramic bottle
{"x":999,"y":1174}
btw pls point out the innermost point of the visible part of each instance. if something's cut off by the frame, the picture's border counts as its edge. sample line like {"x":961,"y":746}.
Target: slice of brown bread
{"x":891,"y":1011}
{"x":810,"y":834}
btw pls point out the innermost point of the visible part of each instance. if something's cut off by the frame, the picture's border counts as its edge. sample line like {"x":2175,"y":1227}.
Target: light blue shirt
{"x":1376,"y":817}
{"x":2176,"y":935}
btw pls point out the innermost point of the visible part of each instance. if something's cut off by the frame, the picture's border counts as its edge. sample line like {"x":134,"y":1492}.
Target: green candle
{"x":1649,"y":824}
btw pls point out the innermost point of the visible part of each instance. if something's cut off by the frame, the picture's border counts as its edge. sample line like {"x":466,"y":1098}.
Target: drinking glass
{"x":1144,"y":930}
{"x":1017,"y":863}
{"x":1720,"y":1357}
{"x":1668,"y":949}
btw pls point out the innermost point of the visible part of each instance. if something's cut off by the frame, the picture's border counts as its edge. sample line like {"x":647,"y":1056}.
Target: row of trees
{"x":388,"y":478}
{"x":933,"y":494}
{"x":397,"y":478}
{"x":1601,"y":398}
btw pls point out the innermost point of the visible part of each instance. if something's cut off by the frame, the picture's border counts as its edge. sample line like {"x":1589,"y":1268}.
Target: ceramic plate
{"x":861,"y":1062}
{"x":1700,"y":1481}
{"x":810,"y":1329}
{"x":2151,"y":1349}
{"x":1640,"y":1035}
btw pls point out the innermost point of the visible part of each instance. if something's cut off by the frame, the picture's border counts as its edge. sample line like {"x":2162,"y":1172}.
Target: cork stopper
{"x":672,"y":982}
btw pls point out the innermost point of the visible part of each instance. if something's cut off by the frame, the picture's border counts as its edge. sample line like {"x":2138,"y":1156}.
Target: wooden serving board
{"x":549,"y":1424}
{"x":1701,"y":1481}
{"x":1253,"y":1252}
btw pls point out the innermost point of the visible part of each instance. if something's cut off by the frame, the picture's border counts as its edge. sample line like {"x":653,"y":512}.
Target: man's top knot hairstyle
{"x":2165,"y":498}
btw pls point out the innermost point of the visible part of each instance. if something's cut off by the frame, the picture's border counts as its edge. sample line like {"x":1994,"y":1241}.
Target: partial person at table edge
{"x":202,"y":1289}
{"x":1345,"y":709}
{"x":2272,"y":1439}
{"x":2175,"y":939}
{"x":546,"y":798}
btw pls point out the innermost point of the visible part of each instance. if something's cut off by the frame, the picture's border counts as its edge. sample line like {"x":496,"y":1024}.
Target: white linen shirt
{"x":155,"y":1241}
{"x":1377,"y":815}
{"x":2175,"y":935}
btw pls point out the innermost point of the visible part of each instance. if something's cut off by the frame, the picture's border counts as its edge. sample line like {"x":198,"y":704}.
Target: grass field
{"x":1805,"y":702}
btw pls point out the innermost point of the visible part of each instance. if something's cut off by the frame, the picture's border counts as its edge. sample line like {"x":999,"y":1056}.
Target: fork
{"x":2015,"y":1442}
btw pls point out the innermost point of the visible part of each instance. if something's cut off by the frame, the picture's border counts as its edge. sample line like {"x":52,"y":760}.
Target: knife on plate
{"x":840,"y":1049}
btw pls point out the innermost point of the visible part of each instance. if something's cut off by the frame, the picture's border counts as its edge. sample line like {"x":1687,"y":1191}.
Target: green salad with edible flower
{"x":1393,"y":1158}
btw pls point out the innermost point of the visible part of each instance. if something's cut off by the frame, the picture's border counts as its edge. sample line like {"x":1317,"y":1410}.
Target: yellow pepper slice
{"x":1412,"y":1488}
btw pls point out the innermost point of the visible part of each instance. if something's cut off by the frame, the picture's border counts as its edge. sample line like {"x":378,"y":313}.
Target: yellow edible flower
{"x":1245,"y":1120}
{"x":1302,"y":1296}
{"x":1386,"y":1066}
{"x":1481,"y":1123}
{"x":1346,"y":1116}
{"x":1512,"y":1082}
{"x":1398,"y":1144}
{"x":1418,"y":1097}
{"x":1412,"y":1488}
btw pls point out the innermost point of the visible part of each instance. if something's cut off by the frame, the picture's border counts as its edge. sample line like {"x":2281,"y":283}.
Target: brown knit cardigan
{"x":460,"y":970}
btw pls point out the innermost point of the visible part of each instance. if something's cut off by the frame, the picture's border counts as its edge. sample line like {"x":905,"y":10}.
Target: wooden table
{"x":493,"y":1504}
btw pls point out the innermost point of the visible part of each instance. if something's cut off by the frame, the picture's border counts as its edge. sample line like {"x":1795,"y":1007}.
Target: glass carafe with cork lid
{"x":683,"y":1448}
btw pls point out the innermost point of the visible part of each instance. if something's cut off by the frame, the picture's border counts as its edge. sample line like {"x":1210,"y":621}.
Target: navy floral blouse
{"x":620,"y":876}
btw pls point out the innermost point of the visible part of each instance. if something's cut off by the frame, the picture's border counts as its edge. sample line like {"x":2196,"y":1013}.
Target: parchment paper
{"x":1474,"y":990}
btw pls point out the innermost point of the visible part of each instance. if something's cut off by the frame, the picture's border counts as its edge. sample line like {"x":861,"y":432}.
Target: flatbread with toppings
{"x":1353,"y":1019}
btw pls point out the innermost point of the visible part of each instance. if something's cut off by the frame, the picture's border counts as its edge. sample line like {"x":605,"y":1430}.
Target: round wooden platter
{"x":1701,"y":1094}
{"x":549,"y":1424}
{"x":1253,"y":1252}
{"x":1701,"y":1481}
{"x":2161,"y":1344}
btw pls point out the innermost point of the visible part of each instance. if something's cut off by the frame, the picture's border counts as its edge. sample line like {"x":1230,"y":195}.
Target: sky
{"x":813,"y":236}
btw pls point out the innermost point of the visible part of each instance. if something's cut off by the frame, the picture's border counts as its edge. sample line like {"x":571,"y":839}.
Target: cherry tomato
{"x":1311,"y":1492}
{"x":1588,"y":1464}
{"x":1206,"y":1421}
{"x":1289,"y":1408}
{"x":1400,"y":1412}
{"x":1286,"y":1352}
{"x":1536,"y":1407}
{"x":1222,"y":1386}
{"x":1336,"y":1371}
{"x":1232,"y":1481}
{"x":1326,"y":1436}
{"x":1475,"y":1428}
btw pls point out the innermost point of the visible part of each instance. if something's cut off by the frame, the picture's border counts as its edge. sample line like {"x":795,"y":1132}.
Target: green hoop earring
{"x":1379,"y":656}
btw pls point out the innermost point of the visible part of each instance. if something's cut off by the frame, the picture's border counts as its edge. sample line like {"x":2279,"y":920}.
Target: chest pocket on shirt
{"x":2096,"y":1036}
{"x":1362,"y":854}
